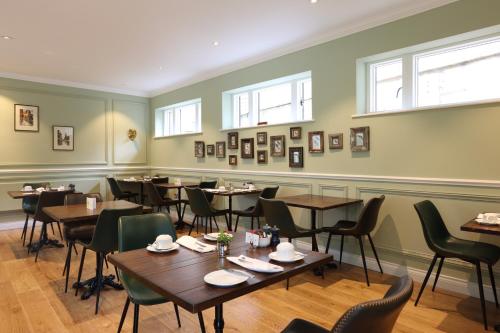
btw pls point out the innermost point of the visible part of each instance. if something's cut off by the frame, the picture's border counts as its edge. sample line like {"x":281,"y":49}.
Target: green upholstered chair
{"x":118,"y":193}
{"x":136,"y":232}
{"x":363,"y":227}
{"x":445,"y":245}
{"x":29,"y":207}
{"x":200,"y":206}
{"x":378,"y":316}
{"x":256,"y":211}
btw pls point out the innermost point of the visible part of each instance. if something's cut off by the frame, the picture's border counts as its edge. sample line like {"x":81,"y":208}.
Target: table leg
{"x":230,"y":226}
{"x":180,"y":222}
{"x":219,"y":319}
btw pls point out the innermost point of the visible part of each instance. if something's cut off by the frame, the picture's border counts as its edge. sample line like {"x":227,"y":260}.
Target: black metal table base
{"x":90,"y":285}
{"x":219,"y":319}
{"x":45,"y":242}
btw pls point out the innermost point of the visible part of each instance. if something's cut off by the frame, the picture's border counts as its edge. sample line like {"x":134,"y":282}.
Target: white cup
{"x":28,"y":188}
{"x":177,"y":181}
{"x":222,"y":188}
{"x":285,"y":251}
{"x":251,"y":187}
{"x":163,"y":242}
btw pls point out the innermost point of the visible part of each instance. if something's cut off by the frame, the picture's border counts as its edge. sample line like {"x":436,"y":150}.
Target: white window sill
{"x":269,"y":125}
{"x":425,"y":108}
{"x":175,"y":135}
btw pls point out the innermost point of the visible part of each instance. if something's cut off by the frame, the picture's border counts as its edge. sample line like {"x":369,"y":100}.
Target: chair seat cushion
{"x":81,"y":232}
{"x":29,"y":207}
{"x":247,"y":212}
{"x":302,"y":326}
{"x":342,"y":227}
{"x":139,"y":293}
{"x":303,"y":232}
{"x":470,"y":250}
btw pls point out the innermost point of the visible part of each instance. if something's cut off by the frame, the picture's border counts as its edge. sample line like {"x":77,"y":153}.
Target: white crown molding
{"x":349,"y":29}
{"x":72,"y":84}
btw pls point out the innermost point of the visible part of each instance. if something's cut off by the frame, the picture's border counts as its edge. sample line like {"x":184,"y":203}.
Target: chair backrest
{"x":208,"y":184}
{"x":277,"y":214}
{"x":152,"y":193}
{"x":435,"y":231}
{"x":48,"y":199}
{"x":368,"y":218}
{"x":136,"y":232}
{"x":159,"y":180}
{"x":267,"y":193}
{"x":80,"y":198}
{"x":377,"y":316}
{"x":198,"y":201}
{"x":29,"y":203}
{"x":113,"y":185}
{"x":105,"y":238}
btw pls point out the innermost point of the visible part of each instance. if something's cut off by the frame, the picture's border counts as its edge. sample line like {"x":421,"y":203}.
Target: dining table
{"x":179,"y":275}
{"x":139,"y":181}
{"x":76,"y":213}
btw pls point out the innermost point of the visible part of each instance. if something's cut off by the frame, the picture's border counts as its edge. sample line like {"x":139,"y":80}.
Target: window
{"x":181,"y":118}
{"x":284,"y":100}
{"x":456,"y":70}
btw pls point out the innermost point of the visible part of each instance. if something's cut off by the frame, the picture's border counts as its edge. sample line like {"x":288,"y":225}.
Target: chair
{"x":445,"y":245}
{"x":136,"y":232}
{"x":46,"y":199}
{"x":81,"y":230}
{"x":200,"y":206}
{"x":118,"y":194}
{"x":256,"y":211}
{"x":210,"y":196}
{"x":160,"y":180}
{"x":29,"y":206}
{"x":377,"y":316}
{"x":363,"y":227}
{"x":156,"y":199}
{"x":104,"y":241}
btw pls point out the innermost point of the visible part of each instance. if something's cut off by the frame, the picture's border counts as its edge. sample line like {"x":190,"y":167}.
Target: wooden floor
{"x":33,"y":300}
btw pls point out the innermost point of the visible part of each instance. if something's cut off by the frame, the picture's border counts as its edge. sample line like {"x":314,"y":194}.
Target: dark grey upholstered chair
{"x":256,"y":211}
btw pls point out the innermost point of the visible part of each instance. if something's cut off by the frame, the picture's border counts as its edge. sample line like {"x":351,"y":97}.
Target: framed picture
{"x":199,"y":149}
{"x":360,"y":139}
{"x":232,"y":140}
{"x":262,"y":138}
{"x":262,"y":156}
{"x":26,"y":118}
{"x":296,"y":157}
{"x":233,"y":160}
{"x":210,"y":149}
{"x":336,"y":141}
{"x":295,"y":133}
{"x":316,"y":142}
{"x":247,"y":148}
{"x":63,"y":138}
{"x":277,"y":145}
{"x":220,"y":149}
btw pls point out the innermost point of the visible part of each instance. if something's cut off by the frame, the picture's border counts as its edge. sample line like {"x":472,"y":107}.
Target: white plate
{"x":222,"y":278}
{"x":213,"y":236}
{"x":274,"y":256}
{"x":150,"y":248}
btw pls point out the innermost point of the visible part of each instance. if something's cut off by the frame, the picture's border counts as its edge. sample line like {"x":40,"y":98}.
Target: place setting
{"x":285,"y":252}
{"x":195,"y":245}
{"x":162,"y":244}
{"x":488,"y":219}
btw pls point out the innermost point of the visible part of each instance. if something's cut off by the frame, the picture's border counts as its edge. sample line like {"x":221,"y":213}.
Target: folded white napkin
{"x":255,"y":264}
{"x":40,"y":189}
{"x":195,"y":245}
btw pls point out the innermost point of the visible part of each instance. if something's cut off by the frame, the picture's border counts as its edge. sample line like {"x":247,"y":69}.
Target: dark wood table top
{"x":173,"y":185}
{"x":178,"y":275}
{"x":72,"y":213}
{"x":473,"y":226}
{"x":319,"y":202}
{"x":27,"y":194}
{"x":236,"y":191}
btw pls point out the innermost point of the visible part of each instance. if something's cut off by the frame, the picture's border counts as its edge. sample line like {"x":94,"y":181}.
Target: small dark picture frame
{"x":316,"y":142}
{"x":199,"y":149}
{"x":247,"y":148}
{"x":210,"y":149}
{"x":336,"y":141}
{"x":295,"y":133}
{"x":63,"y":138}
{"x":296,"y":157}
{"x":232,"y":140}
{"x":360,"y":139}
{"x":277,"y":145}
{"x":220,"y":149}
{"x":262,"y":156}
{"x":262,"y":138}
{"x":26,"y":118}
{"x":233,"y":160}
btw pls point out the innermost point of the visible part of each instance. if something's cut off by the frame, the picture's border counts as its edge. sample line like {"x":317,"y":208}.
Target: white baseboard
{"x":445,"y":282}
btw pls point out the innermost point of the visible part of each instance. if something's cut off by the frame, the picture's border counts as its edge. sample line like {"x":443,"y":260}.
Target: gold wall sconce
{"x":132,"y":134}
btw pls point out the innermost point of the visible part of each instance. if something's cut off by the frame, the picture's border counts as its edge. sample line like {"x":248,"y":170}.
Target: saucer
{"x":274,"y":256}
{"x":174,"y":246}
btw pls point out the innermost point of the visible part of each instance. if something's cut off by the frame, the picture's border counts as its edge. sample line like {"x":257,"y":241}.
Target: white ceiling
{"x":120,"y":45}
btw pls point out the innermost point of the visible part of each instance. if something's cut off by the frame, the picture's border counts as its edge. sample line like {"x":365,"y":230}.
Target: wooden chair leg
{"x":100,"y":264}
{"x":136,"y":319}
{"x":176,"y":308}
{"x":236,"y":224}
{"x":360,"y":240}
{"x":328,"y":243}
{"x":437,"y":274}
{"x":82,"y":260}
{"x":375,"y":253}
{"x":124,"y":314}
{"x":481,"y":294}
{"x":492,"y":279}
{"x":202,"y":322}
{"x":341,"y":249}
{"x":431,"y":267}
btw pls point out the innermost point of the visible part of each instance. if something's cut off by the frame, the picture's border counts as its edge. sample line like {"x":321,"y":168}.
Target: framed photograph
{"x":233,"y":160}
{"x":360,"y":139}
{"x":277,"y":145}
{"x":26,"y":118}
{"x":232,"y":140}
{"x":296,"y":157}
{"x":210,"y":149}
{"x":220,"y":149}
{"x":336,"y":141}
{"x":199,"y":149}
{"x":295,"y":133}
{"x":316,"y":142}
{"x":247,"y":148}
{"x":262,"y":156}
{"x":63,"y":138}
{"x":262,"y":138}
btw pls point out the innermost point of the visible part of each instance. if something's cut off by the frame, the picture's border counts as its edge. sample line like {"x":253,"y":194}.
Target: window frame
{"x":163,"y":112}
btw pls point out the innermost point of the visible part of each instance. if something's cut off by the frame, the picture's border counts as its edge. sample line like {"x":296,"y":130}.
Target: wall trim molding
{"x":482,"y":183}
{"x":103,"y":169}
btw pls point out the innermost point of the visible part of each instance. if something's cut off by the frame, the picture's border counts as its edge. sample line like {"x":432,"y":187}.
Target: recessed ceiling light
{"x":7,"y":37}
{"x":161,"y":68}
{"x":314,"y":1}
{"x":216,"y":43}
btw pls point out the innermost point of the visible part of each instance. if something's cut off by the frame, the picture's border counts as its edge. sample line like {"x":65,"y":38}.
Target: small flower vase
{"x":222,"y":249}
